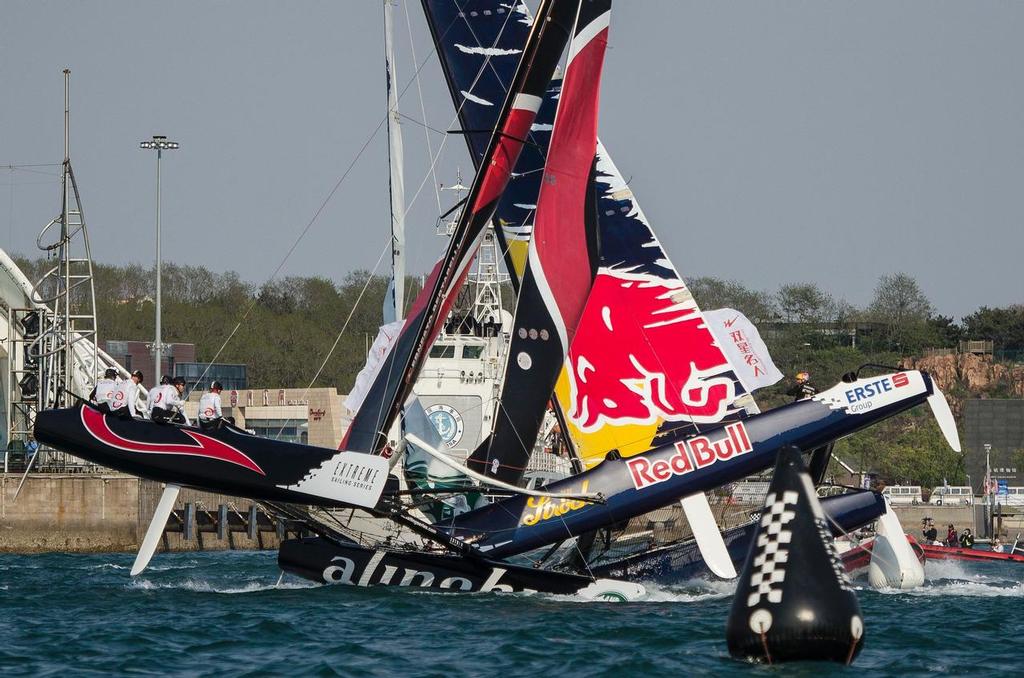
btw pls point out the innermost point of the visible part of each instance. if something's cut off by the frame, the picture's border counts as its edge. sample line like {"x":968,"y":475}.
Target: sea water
{"x":224,"y":613}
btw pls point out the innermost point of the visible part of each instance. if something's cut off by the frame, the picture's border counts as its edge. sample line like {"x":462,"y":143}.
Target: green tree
{"x":712,"y":293}
{"x":1004,"y":326}
{"x":804,"y":303}
{"x":902,"y":307}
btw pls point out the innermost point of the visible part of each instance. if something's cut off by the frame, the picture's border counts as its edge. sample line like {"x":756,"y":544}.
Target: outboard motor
{"x":794,"y":600}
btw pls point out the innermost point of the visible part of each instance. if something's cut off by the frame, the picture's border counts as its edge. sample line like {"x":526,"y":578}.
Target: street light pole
{"x":160,"y":144}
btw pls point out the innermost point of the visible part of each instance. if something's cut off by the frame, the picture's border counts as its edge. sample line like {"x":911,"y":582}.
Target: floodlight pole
{"x":160,"y":144}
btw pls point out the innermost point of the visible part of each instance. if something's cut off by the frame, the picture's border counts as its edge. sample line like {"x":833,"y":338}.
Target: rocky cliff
{"x":966,"y":375}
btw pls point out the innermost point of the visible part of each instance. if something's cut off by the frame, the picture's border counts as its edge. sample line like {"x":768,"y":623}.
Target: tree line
{"x":286,"y":328}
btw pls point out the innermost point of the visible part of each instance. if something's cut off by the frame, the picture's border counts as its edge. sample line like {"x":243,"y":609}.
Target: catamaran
{"x":653,"y":394}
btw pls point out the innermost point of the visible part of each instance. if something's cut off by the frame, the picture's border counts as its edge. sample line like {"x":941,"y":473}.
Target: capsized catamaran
{"x":684,"y":455}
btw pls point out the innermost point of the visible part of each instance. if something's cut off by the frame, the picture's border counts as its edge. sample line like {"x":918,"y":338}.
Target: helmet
{"x":215,"y":386}
{"x":111,"y":373}
{"x":803,"y":376}
{"x":164,"y":380}
{"x":138,"y":375}
{"x":178,"y":381}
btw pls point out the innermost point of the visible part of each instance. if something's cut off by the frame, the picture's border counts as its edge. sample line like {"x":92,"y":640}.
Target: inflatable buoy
{"x":794,"y":600}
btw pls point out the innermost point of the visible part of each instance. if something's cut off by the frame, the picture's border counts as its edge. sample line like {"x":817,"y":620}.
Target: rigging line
{"x":273,"y":276}
{"x":344,"y":327}
{"x":576,"y":545}
{"x":488,"y":63}
{"x":423,"y":108}
{"x":437,"y":156}
{"x":522,"y":443}
{"x":295,"y":244}
{"x":20,"y":165}
{"x":25,"y":168}
{"x":425,"y":126}
{"x":415,"y":77}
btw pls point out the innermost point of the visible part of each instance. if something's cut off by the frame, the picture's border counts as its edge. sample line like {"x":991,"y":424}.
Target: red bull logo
{"x":643,"y":352}
{"x":695,"y":453}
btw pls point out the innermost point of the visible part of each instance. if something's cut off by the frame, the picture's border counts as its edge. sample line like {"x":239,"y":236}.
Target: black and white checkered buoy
{"x":794,"y":600}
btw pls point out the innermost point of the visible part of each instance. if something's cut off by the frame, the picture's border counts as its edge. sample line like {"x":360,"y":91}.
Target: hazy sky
{"x":768,"y":142}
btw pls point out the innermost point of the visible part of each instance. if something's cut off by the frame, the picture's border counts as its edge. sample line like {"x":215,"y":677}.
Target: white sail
{"x":394,"y":301}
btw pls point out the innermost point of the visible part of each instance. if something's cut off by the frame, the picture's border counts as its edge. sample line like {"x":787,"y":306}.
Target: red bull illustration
{"x":647,"y":355}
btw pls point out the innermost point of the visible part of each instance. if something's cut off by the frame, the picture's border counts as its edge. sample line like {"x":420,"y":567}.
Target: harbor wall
{"x":69,"y":513}
{"x":111,"y":512}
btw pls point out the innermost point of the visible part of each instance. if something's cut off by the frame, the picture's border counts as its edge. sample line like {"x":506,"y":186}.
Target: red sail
{"x":562,"y":261}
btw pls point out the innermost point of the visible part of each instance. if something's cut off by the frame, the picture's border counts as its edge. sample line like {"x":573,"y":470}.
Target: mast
{"x":395,"y":380}
{"x":394,"y":303}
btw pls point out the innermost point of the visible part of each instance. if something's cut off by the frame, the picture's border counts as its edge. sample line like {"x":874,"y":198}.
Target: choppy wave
{"x":201,"y":613}
{"x":958,"y":579}
{"x":205,"y":586}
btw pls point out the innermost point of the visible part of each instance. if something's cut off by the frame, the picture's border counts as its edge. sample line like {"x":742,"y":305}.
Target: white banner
{"x":386,"y":338}
{"x":742,"y":345}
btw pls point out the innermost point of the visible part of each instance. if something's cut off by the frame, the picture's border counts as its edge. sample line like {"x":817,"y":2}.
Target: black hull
{"x":227,"y":459}
{"x":674,"y":563}
{"x":327,"y":561}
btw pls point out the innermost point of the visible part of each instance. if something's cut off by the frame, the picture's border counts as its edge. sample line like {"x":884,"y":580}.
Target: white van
{"x":952,"y":496}
{"x":903,"y":494}
{"x":1014,"y":497}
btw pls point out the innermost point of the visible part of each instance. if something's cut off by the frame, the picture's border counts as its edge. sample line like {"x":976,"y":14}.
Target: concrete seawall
{"x":91,"y":513}
{"x":83,"y":513}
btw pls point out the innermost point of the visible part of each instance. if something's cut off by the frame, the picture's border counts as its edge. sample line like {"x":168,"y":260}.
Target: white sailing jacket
{"x":151,"y":399}
{"x":104,"y":389}
{"x":126,"y":394}
{"x":168,"y":398}
{"x":209,"y":407}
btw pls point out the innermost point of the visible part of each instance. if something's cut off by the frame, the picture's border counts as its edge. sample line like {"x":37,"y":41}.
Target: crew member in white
{"x":169,"y":405}
{"x":124,"y":399}
{"x":154,"y":395}
{"x":104,"y":388}
{"x":210,"y":413}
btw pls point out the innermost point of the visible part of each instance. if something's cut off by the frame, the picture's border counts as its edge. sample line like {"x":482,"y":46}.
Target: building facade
{"x":233,"y":377}
{"x":998,"y":423}
{"x":138,"y":355}
{"x":315,"y":416}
